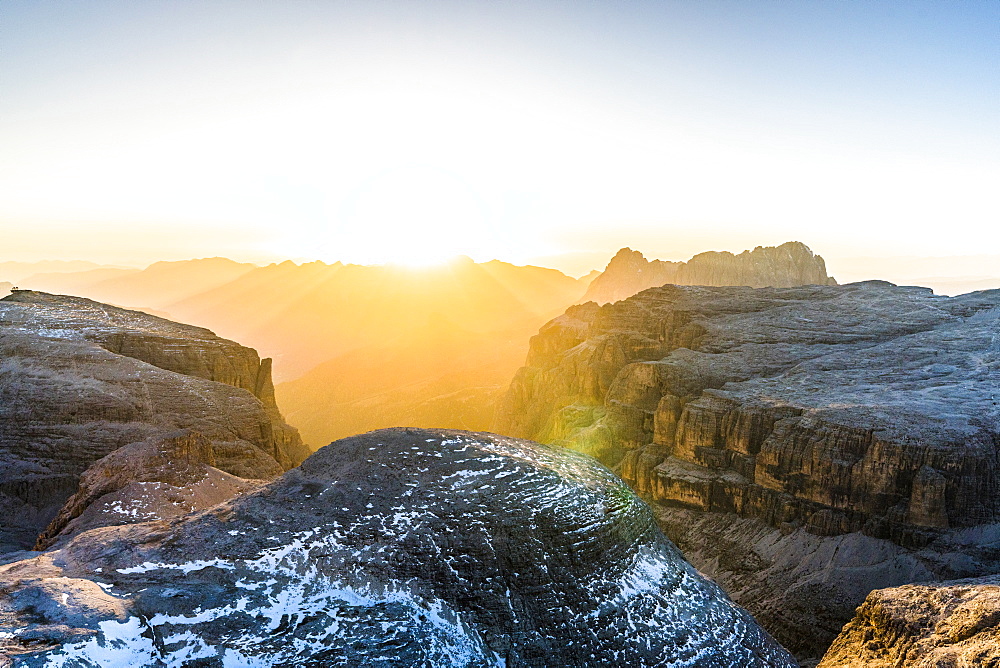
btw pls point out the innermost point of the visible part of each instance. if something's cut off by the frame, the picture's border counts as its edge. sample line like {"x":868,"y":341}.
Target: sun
{"x":422,"y":261}
{"x":414,"y":216}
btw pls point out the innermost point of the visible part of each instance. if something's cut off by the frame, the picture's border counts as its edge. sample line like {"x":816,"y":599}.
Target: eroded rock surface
{"x":164,"y":476}
{"x":940,"y":625}
{"x":787,"y":265}
{"x":80,"y":380}
{"x":865,"y":410}
{"x":398,"y":547}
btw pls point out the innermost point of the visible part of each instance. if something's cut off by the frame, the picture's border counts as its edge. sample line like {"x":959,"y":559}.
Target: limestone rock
{"x":865,"y":410}
{"x":787,"y":265}
{"x":954,"y":624}
{"x":398,"y":547}
{"x":165,"y":476}
{"x":80,"y":380}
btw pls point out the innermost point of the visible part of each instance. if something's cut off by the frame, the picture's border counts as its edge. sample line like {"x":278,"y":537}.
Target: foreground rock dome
{"x":400,"y":547}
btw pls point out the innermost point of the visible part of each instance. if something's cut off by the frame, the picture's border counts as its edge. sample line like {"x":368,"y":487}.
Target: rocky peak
{"x":628,"y":258}
{"x":787,"y":265}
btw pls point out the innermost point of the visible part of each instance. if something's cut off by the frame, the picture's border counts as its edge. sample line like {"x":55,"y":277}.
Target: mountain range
{"x":803,"y":445}
{"x":363,"y":347}
{"x":191,"y":532}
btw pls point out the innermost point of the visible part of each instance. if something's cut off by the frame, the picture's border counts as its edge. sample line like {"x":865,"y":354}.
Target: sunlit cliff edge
{"x":803,"y":446}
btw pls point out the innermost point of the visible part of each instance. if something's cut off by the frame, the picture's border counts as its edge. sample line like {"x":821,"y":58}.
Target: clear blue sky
{"x":370,"y":131}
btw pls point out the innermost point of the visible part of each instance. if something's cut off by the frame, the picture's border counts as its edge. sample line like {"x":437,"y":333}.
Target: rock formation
{"x":81,"y":381}
{"x":802,"y":445}
{"x":787,"y":265}
{"x":399,"y":547}
{"x":954,"y":624}
{"x":166,"y":475}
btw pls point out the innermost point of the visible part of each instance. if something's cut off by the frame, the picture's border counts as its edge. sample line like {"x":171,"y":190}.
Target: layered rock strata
{"x":787,"y":265}
{"x":397,"y":547}
{"x":867,"y":410}
{"x":954,"y":624}
{"x":80,"y":380}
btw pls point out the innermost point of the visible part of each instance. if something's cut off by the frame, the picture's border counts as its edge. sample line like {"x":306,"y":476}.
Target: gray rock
{"x":399,"y":547}
{"x":165,"y":476}
{"x":867,"y":409}
{"x":80,"y":380}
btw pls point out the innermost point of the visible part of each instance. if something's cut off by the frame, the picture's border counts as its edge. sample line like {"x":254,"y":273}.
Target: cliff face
{"x":787,"y":265}
{"x":863,"y":416}
{"x":80,"y":380}
{"x":954,"y":624}
{"x":401,"y":547}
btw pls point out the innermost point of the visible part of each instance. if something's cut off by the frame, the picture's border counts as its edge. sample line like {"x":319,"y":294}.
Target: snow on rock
{"x":400,"y":547}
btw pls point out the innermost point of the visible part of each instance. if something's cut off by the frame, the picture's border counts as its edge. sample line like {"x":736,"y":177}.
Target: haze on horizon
{"x":543,"y":132}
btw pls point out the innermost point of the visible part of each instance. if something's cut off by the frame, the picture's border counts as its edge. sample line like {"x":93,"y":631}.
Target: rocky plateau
{"x":803,"y":446}
{"x":110,"y":416}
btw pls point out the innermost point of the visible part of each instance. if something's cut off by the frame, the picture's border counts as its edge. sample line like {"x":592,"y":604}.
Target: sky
{"x":544,"y":132}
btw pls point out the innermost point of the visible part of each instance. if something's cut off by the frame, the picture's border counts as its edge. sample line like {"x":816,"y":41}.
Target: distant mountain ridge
{"x":16,"y":271}
{"x":304,"y":315}
{"x":156,"y":287}
{"x":785,"y":266}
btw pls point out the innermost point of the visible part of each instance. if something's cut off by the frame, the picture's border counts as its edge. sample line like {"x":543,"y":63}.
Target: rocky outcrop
{"x":167,"y":475}
{"x":397,"y":547}
{"x":787,"y":265}
{"x":816,"y":413}
{"x":954,"y":624}
{"x":80,"y":380}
